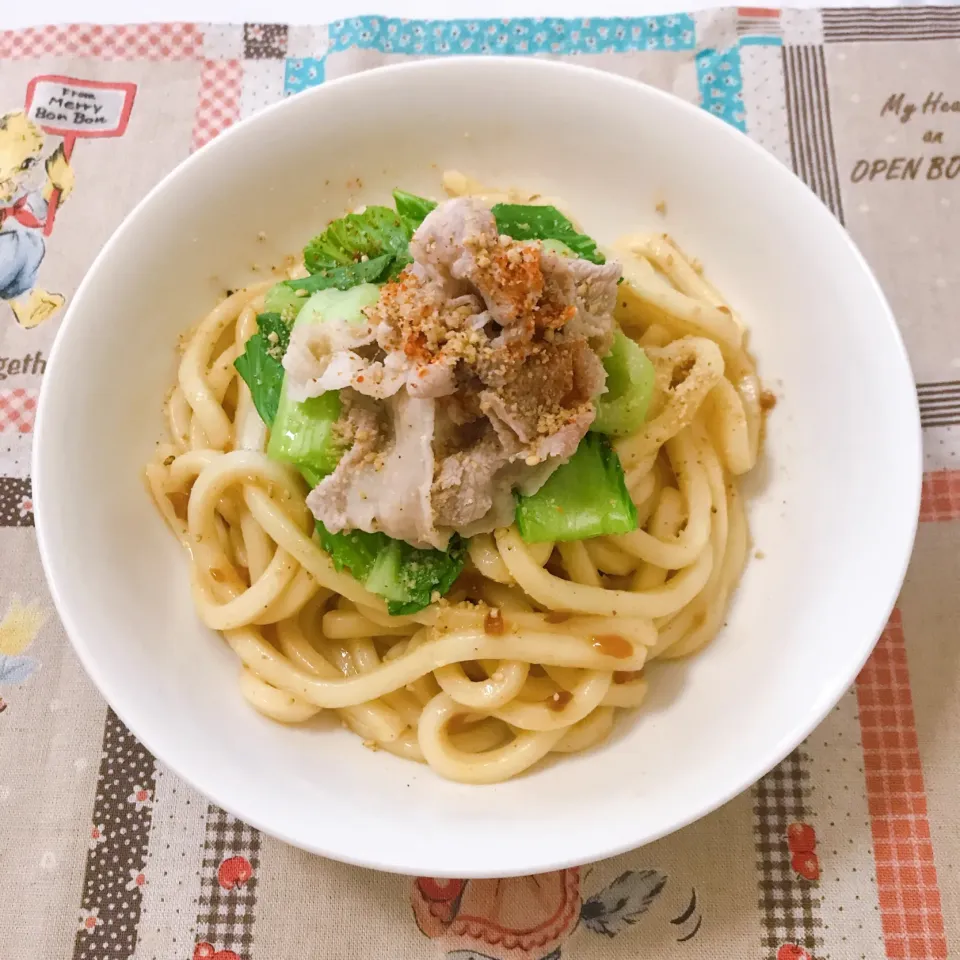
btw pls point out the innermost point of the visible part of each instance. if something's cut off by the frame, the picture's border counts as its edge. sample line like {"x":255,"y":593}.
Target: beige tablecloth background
{"x":848,"y":850}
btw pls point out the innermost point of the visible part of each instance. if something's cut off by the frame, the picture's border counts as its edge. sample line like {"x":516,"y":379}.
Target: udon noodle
{"x":537,"y":646}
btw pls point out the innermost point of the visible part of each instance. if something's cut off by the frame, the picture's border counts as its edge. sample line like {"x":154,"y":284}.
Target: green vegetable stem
{"x":586,"y":497}
{"x":630,"y":378}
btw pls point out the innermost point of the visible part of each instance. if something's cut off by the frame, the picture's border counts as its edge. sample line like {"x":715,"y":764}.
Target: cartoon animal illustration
{"x":527,"y":918}
{"x":29,"y":187}
{"x":18,"y":629}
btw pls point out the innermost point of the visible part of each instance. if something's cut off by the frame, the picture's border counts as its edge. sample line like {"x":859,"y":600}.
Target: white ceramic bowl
{"x":834,"y":504}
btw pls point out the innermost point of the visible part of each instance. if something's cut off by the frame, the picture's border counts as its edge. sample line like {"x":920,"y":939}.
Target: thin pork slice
{"x":385,"y":485}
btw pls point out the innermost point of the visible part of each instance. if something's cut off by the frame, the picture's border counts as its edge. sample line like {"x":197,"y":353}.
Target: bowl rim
{"x":831,"y":690}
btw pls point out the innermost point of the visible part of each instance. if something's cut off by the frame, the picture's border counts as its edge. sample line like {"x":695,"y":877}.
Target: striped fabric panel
{"x":939,"y":403}
{"x":903,"y":23}
{"x":789,"y":902}
{"x":907,"y":885}
{"x":758,"y":28}
{"x":810,"y":124}
{"x":753,"y":21}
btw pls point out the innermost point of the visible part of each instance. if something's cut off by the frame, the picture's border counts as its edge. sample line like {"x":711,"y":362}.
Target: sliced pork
{"x":593,"y":288}
{"x":384,"y":481}
{"x":477,"y":374}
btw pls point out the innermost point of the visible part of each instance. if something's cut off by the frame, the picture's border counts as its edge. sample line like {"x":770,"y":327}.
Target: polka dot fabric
{"x":16,"y":503}
{"x":117,"y":866}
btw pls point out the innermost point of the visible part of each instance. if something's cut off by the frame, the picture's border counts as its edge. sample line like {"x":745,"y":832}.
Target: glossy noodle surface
{"x":537,"y":646}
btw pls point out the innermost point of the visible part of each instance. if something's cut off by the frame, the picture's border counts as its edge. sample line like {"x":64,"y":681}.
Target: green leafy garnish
{"x":304,"y":431}
{"x":586,"y":497}
{"x":354,"y":551}
{"x":260,"y":365}
{"x":588,"y":494}
{"x":421,"y":574}
{"x":304,"y":434}
{"x":373,"y":233}
{"x":412,"y":208}
{"x":630,"y":379}
{"x":406,"y":577}
{"x":281,"y":299}
{"x":375,"y":270}
{"x":527,"y":222}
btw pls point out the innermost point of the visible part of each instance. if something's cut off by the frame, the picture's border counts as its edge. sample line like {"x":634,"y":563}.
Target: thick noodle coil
{"x":537,"y":645}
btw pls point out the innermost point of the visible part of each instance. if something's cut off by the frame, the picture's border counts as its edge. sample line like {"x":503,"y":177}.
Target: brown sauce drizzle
{"x":768,"y":401}
{"x":179,"y":503}
{"x":559,"y":700}
{"x":474,"y":671}
{"x":613,"y":645}
{"x":557,"y":616}
{"x":626,"y":676}
{"x":493,"y":623}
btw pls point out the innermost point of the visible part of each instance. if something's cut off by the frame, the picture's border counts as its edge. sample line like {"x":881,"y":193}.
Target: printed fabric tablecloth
{"x":849,"y":849}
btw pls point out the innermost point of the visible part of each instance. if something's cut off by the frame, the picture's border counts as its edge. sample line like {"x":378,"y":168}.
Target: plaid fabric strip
{"x":907,"y":885}
{"x":228,"y":883}
{"x":940,"y":496}
{"x":136,"y":41}
{"x":18,"y":408}
{"x":218,"y":104}
{"x":789,"y":904}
